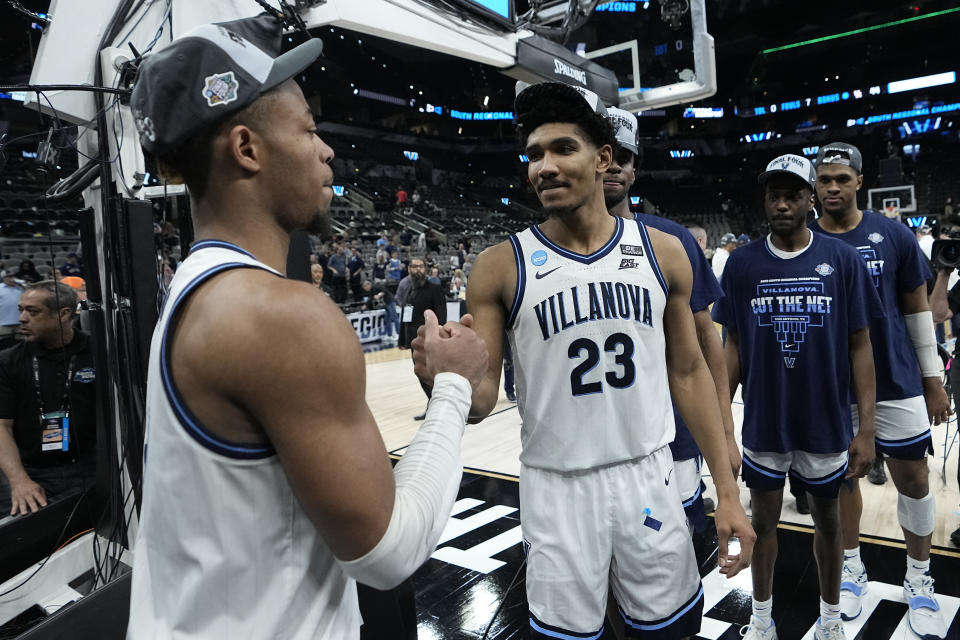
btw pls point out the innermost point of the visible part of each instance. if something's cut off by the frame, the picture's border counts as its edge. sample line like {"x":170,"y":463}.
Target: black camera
{"x":946,"y":253}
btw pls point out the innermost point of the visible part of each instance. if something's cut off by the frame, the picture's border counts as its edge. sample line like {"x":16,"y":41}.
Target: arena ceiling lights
{"x":854,"y":32}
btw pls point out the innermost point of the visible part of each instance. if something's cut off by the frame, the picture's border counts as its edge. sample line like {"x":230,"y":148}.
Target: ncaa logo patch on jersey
{"x":630,"y":250}
{"x":875,"y":238}
{"x":628,"y":263}
{"x":538,"y":258}
{"x":824,"y":269}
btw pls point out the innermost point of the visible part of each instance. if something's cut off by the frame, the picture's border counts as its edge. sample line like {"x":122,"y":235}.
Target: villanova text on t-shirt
{"x":596,"y":301}
{"x":791,"y":306}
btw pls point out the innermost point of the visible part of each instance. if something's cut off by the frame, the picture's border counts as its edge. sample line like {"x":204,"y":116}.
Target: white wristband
{"x":924,"y":339}
{"x":427,"y":479}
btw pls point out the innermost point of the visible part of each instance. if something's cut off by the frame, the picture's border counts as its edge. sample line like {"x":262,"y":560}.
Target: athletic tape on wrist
{"x":924,"y":339}
{"x":427,"y":480}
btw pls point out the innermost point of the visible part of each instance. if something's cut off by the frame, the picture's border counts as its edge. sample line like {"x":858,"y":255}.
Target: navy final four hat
{"x":208,"y":74}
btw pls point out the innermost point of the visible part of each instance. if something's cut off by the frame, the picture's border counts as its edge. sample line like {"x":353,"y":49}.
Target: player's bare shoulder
{"x":494,"y":274}
{"x":253,"y":318}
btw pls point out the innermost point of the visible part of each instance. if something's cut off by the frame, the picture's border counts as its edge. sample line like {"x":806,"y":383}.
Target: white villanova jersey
{"x":589,"y":351}
{"x":224,"y":549}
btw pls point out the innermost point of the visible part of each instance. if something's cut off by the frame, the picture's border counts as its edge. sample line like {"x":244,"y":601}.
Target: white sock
{"x":852,"y":557}
{"x":764,"y":610}
{"x":916,"y":568}
{"x":828,"y":612}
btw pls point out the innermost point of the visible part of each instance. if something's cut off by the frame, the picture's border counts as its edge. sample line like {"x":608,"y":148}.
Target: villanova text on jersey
{"x":588,"y":350}
{"x":595,"y":301}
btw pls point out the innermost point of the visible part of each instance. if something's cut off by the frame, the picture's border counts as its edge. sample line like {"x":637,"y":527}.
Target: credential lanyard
{"x":65,"y":401}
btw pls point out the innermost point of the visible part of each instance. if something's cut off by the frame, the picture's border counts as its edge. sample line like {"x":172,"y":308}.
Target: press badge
{"x":407,"y":313}
{"x":56,"y":431}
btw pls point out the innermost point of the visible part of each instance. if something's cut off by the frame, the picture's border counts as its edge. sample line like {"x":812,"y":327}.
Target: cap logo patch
{"x":144,"y":125}
{"x":785,"y":161}
{"x":619,"y":122}
{"x":220,"y":88}
{"x":836,"y":156}
{"x":233,"y":36}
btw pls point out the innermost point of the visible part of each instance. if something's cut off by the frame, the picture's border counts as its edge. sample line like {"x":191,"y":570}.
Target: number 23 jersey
{"x":589,"y":351}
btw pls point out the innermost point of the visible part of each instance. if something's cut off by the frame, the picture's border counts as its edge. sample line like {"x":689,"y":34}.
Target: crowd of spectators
{"x":385,"y":263}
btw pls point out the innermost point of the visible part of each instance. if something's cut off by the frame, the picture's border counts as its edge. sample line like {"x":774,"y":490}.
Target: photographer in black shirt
{"x":945,"y":304}
{"x":47,"y":403}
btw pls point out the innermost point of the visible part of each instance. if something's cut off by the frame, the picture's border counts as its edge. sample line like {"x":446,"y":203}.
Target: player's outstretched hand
{"x":938,"y":404}
{"x":454,"y":347}
{"x":863,"y":450}
{"x":732,"y":522}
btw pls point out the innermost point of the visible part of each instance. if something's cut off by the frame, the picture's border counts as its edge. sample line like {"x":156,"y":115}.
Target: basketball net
{"x":892,"y":211}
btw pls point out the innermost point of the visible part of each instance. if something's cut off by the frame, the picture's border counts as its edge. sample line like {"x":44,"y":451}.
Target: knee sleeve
{"x":918,"y":516}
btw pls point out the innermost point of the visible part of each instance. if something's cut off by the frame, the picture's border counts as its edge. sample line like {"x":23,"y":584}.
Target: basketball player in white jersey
{"x":596,"y":310}
{"x":267,"y":489}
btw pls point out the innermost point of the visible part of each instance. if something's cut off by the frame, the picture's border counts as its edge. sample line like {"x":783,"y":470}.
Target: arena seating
{"x":31,"y":228}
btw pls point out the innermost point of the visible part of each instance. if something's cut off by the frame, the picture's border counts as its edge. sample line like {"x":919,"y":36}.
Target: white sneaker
{"x":924,"y":613}
{"x":853,"y":586}
{"x":756,"y":630}
{"x":830,"y":631}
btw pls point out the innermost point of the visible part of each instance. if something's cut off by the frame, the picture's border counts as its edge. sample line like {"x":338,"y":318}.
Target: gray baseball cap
{"x":727,"y":238}
{"x":841,"y":153}
{"x":793,"y":165}
{"x":625,"y":124}
{"x":208,"y":74}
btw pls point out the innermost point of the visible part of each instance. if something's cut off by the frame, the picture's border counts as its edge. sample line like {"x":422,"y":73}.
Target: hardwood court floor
{"x":474,"y":581}
{"x":395,"y":396}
